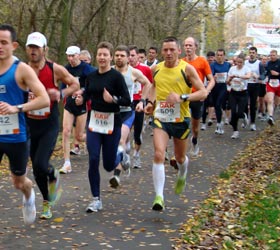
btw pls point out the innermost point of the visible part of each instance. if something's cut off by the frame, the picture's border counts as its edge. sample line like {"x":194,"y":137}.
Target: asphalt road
{"x":127,"y":220}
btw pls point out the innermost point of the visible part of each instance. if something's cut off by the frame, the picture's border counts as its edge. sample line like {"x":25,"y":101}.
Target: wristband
{"x":61,"y":94}
{"x":150,"y":102}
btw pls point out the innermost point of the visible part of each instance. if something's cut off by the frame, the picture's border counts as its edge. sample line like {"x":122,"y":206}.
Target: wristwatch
{"x":184,"y":97}
{"x":20,"y":107}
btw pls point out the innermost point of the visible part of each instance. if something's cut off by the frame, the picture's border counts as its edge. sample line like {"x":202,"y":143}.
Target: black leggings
{"x":253,"y":93}
{"x":238,"y":102}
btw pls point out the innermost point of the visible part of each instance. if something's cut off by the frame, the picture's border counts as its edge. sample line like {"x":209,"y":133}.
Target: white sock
{"x":183,"y":168}
{"x":158,"y":178}
{"x":67,"y":162}
{"x":128,"y":147}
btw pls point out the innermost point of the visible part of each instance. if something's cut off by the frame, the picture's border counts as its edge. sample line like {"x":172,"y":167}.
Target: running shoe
{"x":29,"y":208}
{"x":235,"y":135}
{"x":203,"y":126}
{"x":136,"y":162}
{"x":270,"y":121}
{"x":94,"y":206}
{"x":226,"y":121}
{"x":173,"y":163}
{"x":114,"y":181}
{"x":125,"y":161}
{"x":66,"y":168}
{"x":219,"y":130}
{"x":253,"y":127}
{"x":194,"y":150}
{"x":210,"y":122}
{"x":55,"y":188}
{"x":47,"y":213}
{"x":180,"y":185}
{"x":75,"y":151}
{"x":158,"y":204}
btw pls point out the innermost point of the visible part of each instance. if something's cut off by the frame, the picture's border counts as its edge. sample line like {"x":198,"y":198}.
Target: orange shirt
{"x":202,"y":67}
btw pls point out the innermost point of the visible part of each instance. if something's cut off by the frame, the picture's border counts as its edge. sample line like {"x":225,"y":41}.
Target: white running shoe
{"x":94,"y":206}
{"x":66,"y":168}
{"x":194,"y":150}
{"x":235,"y":135}
{"x":75,"y":151}
{"x":29,"y":209}
{"x":253,"y":127}
{"x":203,"y":126}
{"x":245,"y":122}
{"x":137,"y":161}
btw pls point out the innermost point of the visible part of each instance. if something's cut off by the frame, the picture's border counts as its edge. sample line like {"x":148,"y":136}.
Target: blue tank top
{"x":11,"y":93}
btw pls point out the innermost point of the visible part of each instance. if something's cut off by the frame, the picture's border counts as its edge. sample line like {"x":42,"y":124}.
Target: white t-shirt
{"x":237,"y":83}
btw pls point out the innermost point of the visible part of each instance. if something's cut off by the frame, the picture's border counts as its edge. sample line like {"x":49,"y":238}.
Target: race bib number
{"x":167,"y":112}
{"x":237,"y":84}
{"x":101,"y":122}
{"x":274,"y":83}
{"x":221,"y":77}
{"x":137,"y":88}
{"x":9,"y":124}
{"x":39,"y":113}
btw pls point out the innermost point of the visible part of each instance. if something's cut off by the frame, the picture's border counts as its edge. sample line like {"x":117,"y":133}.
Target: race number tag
{"x":137,"y":88}
{"x":9,"y":124}
{"x":39,"y":113}
{"x":167,"y":112}
{"x":221,"y":77}
{"x":237,"y":84}
{"x":101,"y":122}
{"x":274,"y":83}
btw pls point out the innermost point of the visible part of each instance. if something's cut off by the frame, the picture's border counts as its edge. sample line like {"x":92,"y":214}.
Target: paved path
{"x":127,"y":220}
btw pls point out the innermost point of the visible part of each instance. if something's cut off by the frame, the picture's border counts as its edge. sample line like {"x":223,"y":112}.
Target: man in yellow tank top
{"x":169,"y":102}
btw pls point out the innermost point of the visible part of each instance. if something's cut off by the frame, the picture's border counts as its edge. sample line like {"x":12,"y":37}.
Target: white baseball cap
{"x":72,"y":50}
{"x":36,"y":38}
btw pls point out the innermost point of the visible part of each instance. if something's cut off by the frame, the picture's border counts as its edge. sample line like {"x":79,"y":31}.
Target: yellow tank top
{"x":172,"y":80}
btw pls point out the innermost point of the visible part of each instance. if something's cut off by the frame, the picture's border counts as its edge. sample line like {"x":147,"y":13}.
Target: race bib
{"x":101,"y":122}
{"x":39,"y":113}
{"x":237,"y":84}
{"x":137,"y":88}
{"x":167,"y":112}
{"x":9,"y":124}
{"x":221,"y":77}
{"x":274,"y":83}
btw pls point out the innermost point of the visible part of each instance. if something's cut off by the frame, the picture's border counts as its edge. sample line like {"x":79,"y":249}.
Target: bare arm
{"x":61,"y":74}
{"x":28,"y":80}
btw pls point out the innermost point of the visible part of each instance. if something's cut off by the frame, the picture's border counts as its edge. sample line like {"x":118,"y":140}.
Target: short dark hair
{"x":11,"y":29}
{"x":221,"y":50}
{"x":253,"y":48}
{"x":171,"y":39}
{"x":210,"y":53}
{"x":142,"y":51}
{"x":106,"y":45}
{"x":154,"y":48}
{"x":122,"y":48}
{"x":133,"y":47}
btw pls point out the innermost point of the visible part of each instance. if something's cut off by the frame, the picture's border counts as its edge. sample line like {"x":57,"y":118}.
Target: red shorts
{"x":275,"y":90}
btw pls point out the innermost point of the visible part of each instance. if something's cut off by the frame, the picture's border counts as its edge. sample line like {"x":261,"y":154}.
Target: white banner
{"x":266,"y":37}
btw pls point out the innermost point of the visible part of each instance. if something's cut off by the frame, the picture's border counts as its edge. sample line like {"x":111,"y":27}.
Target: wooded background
{"x":215,"y":23}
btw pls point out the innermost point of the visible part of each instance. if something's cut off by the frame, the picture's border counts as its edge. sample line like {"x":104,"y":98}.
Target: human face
{"x":210,"y":59}
{"x":74,"y":60}
{"x":121,"y":59}
{"x":103,"y":58}
{"x":252,"y":54}
{"x":220,"y":57}
{"x":141,"y":57}
{"x":170,"y":52}
{"x":84,"y":58}
{"x":239,"y":63}
{"x":189,"y":46}
{"x":34,"y":53}
{"x":273,"y":56}
{"x":264,"y":60}
{"x":133,"y":58}
{"x":6,"y":45}
{"x":152,"y":54}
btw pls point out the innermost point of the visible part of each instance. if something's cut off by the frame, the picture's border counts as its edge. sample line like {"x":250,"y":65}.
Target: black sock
{"x":194,"y":140}
{"x":117,"y":172}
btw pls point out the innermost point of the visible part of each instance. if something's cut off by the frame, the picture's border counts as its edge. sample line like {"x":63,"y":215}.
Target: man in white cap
{"x":73,"y":113}
{"x":44,"y":123}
